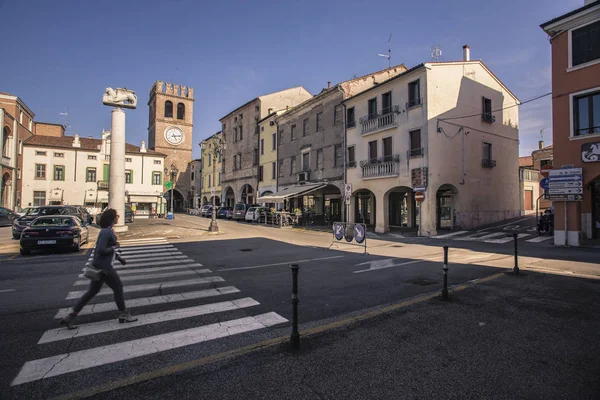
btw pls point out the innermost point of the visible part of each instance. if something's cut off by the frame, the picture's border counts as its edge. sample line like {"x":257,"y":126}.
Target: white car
{"x":204,"y":209}
{"x":250,"y":214}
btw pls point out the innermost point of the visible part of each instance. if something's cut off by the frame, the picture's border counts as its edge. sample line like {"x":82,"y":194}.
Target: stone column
{"x":116,"y":186}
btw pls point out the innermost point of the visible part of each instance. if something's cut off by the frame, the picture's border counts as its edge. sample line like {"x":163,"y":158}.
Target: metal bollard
{"x":516,"y":269}
{"x":295,"y":336}
{"x":445,"y":287}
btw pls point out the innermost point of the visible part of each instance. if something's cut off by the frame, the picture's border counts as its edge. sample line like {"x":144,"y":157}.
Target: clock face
{"x":174,"y":135}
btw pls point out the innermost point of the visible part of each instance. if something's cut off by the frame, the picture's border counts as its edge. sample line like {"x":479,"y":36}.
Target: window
{"x":487,"y":155}
{"x":281,"y":136}
{"x":256,"y":108}
{"x":255,"y":159}
{"x":59,"y":173}
{"x":372,"y":108}
{"x":281,"y":168}
{"x":260,"y":173}
{"x":415,"y":143}
{"x":292,"y":165}
{"x":20,"y":147}
{"x":235,"y":162}
{"x":39,"y":199}
{"x":241,"y":134}
{"x":157,"y":162}
{"x":306,"y":161}
{"x":273,"y":170}
{"x":293,"y":132}
{"x":239,"y":156}
{"x":262,"y":146}
{"x":319,"y":122}
{"x":40,"y":171}
{"x":586,"y":114}
{"x":387,"y":149}
{"x":128,"y":159}
{"x":219,"y":178}
{"x":156,"y":178}
{"x":59,"y":155}
{"x":235,"y":119}
{"x":350,"y":122}
{"x":338,"y":115}
{"x":235,"y":134}
{"x":90,"y":157}
{"x":414,"y":94}
{"x":90,"y":174}
{"x":545,"y":162}
{"x":128,"y":176}
{"x":585,"y":44}
{"x":486,"y":110}
{"x":39,"y":153}
{"x":192,"y":177}
{"x":351,"y":157}
{"x":305,"y":127}
{"x":339,"y":156}
{"x":262,"y":128}
{"x":274,"y":139}
{"x":386,"y":103}
{"x":208,"y":159}
{"x":209,"y":183}
{"x":180,"y":111}
{"x":373,"y":151}
{"x":168,"y":109}
{"x":223,"y":126}
{"x":320,"y":159}
{"x":219,"y":158}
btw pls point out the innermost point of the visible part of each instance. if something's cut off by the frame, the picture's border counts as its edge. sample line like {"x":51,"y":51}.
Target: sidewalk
{"x":533,"y":336}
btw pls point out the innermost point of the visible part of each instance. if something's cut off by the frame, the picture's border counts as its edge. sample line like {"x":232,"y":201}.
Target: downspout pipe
{"x":15,"y":164}
{"x":344,"y":149}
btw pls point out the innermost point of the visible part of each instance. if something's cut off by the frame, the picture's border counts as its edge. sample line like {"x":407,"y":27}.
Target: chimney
{"x":466,"y":53}
{"x":328,"y":84}
{"x":76,"y":142}
{"x":143,"y":147}
{"x":541,"y":144}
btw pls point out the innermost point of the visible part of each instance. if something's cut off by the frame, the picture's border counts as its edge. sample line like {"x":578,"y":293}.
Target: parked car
{"x":250,"y":214}
{"x":24,"y":211}
{"x":128,"y":214}
{"x":207,"y":212}
{"x":21,"y":223}
{"x":55,"y":231}
{"x":240,"y":209}
{"x":203,"y":209}
{"x":229,"y":213}
{"x":7,"y":217}
{"x":87,"y":217}
{"x":223,"y":212}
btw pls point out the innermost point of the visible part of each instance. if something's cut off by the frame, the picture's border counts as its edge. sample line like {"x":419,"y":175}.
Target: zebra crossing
{"x":152,"y":265}
{"x":530,"y":236}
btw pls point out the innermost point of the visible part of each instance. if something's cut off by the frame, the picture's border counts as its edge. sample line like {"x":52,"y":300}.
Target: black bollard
{"x":516,"y":269}
{"x":295,"y":336}
{"x":445,"y":287}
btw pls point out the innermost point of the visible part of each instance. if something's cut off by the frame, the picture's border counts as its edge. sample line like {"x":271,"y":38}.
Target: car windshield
{"x":251,"y":209}
{"x":43,"y":211}
{"x":53,"y":222}
{"x":239,"y":207}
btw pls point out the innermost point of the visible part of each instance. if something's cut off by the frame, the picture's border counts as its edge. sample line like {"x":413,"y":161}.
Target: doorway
{"x":445,"y":199}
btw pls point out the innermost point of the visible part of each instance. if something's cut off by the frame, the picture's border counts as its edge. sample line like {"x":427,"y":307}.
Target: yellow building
{"x":267,"y":150}
{"x":211,"y":179}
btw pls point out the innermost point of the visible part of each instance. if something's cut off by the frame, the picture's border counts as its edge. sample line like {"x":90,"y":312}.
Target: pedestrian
{"x":105,"y":255}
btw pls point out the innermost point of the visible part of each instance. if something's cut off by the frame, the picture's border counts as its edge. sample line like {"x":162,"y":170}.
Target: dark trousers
{"x":113,"y":281}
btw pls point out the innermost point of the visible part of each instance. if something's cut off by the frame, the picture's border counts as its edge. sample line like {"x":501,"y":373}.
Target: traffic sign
{"x":348,"y":189}
{"x":347,"y":200}
{"x":565,"y":184}
{"x":419,"y":189}
{"x":566,"y":171}
{"x":213,"y":190}
{"x":359,"y":233}
{"x":419,"y":196}
{"x":349,"y":233}
{"x":544,"y":183}
{"x":545,"y":170}
{"x":338,"y":230}
{"x":565,"y":191}
{"x":569,"y":197}
{"x":169,"y":185}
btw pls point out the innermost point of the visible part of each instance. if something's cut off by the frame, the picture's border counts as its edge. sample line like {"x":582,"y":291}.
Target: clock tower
{"x":170,"y":123}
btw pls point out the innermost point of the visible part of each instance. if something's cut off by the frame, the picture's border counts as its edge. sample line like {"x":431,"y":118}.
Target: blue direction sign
{"x":349,"y":233}
{"x":338,"y":230}
{"x":544,"y":183}
{"x":359,"y":233}
{"x":565,"y":184}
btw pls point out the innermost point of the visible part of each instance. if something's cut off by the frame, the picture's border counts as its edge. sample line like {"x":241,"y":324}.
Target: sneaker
{"x":68,"y":321}
{"x":125,"y":316}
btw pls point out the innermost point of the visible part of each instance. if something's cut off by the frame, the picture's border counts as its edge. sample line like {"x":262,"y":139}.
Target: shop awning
{"x":293,"y":191}
{"x":56,"y":195}
{"x":148,"y":198}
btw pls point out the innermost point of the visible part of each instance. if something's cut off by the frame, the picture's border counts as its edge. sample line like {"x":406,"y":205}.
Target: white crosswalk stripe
{"x":167,"y":267}
{"x":539,"y":239}
{"x":491,"y":237}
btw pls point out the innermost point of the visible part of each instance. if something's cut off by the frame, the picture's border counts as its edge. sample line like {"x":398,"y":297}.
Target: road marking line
{"x":147,"y":262}
{"x":377,"y":267}
{"x":182,"y":263}
{"x":111,"y":325}
{"x":283,"y":263}
{"x":142,"y":240}
{"x":476,"y":237}
{"x":149,"y":286}
{"x":508,"y":223}
{"x":84,"y":359}
{"x":155,"y":269}
{"x":157,"y":256}
{"x":7,"y":290}
{"x":13,"y":257}
{"x":150,"y":301}
{"x":539,"y":239}
{"x":147,"y":277}
{"x":127,"y":248}
{"x":507,"y":239}
{"x":147,"y":251}
{"x":449,"y":235}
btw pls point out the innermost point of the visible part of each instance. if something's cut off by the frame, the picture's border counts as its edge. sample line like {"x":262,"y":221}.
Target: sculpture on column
{"x":120,"y":97}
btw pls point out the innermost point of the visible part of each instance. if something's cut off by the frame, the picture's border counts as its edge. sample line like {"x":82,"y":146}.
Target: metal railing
{"x":351,"y":164}
{"x":488,"y":117}
{"x":102,"y":185}
{"x":414,"y":102}
{"x":485,"y":163}
{"x":412,"y":153}
{"x":381,"y":167}
{"x":375,"y":122}
{"x":351,"y":124}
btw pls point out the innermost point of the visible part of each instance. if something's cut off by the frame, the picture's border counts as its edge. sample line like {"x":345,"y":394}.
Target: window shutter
{"x":106,"y":172}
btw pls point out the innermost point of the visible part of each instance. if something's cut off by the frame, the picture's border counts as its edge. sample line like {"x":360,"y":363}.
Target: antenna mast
{"x":436,"y":52}
{"x":65,"y":115}
{"x":389,"y":54}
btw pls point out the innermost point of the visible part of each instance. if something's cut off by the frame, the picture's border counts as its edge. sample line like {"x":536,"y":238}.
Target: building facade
{"x":211,"y":177}
{"x":241,"y":134}
{"x":17,"y":125}
{"x":440,"y":128}
{"x":575,"y":42}
{"x":74,"y":170}
{"x":267,"y":149}
{"x":170,"y":132}
{"x":196,"y":182}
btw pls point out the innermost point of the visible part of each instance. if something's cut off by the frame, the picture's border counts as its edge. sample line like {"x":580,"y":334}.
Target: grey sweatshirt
{"x":104,"y":252}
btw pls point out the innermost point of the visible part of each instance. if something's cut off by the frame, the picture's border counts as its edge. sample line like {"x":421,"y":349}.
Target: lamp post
{"x":173,"y":171}
{"x":214,"y":146}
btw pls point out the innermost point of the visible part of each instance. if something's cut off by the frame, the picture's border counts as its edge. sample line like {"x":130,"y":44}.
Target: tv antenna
{"x":389,"y":54}
{"x":436,"y":53}
{"x":542,"y":134}
{"x":65,"y":116}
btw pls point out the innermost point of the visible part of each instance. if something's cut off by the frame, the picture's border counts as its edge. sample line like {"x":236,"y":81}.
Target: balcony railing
{"x":381,"y":167}
{"x":488,"y":117}
{"x":414,"y":102}
{"x":412,"y":153}
{"x":529,"y":175}
{"x":488,"y":163}
{"x":351,"y":124}
{"x":351,"y":164}
{"x":377,"y":122}
{"x":102,"y":185}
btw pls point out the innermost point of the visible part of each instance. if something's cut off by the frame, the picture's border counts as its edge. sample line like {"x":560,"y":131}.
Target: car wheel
{"x":25,"y":252}
{"x":16,"y":237}
{"x":77,"y":248}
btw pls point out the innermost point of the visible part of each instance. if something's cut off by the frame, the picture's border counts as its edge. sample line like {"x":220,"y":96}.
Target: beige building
{"x":211,"y":178}
{"x":442,"y":128}
{"x":196,"y":181}
{"x":241,"y":133}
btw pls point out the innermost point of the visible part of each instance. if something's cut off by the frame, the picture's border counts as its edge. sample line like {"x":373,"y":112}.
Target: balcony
{"x":102,"y":185}
{"x":414,"y":153}
{"x":488,"y":117}
{"x":377,"y":122}
{"x":381,"y":167}
{"x":485,"y":163}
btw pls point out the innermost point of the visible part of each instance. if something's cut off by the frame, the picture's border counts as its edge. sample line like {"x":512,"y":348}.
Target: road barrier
{"x":349,"y":233}
{"x":516,"y":268}
{"x":295,"y":336}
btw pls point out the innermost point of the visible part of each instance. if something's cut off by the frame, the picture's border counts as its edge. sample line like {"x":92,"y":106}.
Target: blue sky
{"x":60,"y":55}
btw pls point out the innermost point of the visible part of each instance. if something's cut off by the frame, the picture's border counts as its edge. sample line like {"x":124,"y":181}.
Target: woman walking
{"x":105,"y":254}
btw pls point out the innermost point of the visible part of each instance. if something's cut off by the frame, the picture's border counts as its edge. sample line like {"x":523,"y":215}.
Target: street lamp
{"x":214,"y":146}
{"x":173,"y":171}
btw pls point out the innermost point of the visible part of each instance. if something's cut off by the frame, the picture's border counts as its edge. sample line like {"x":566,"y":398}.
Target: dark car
{"x":223,"y":212}
{"x":54,"y":232}
{"x":85,"y":214}
{"x":240,"y":209}
{"x":7,"y":217}
{"x":23,"y":222}
{"x":128,"y":214}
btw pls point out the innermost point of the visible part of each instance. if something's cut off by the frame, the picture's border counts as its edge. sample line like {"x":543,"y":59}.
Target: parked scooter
{"x":546,"y":223}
